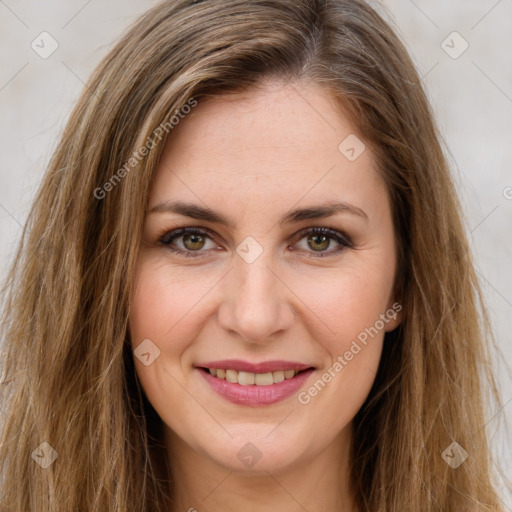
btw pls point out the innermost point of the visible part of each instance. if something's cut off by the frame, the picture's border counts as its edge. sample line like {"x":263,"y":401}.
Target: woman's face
{"x":257,"y":293}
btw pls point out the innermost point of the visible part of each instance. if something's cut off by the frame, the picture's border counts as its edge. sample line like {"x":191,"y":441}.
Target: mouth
{"x":253,"y":379}
{"x":255,"y":384}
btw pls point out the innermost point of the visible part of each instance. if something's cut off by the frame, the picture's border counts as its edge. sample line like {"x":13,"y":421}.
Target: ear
{"x":394,"y":315}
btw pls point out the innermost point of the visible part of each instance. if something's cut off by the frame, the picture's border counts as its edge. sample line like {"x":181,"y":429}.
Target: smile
{"x":254,"y":384}
{"x":250,"y":379}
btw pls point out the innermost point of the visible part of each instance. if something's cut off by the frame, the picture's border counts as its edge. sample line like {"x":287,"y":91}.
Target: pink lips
{"x":252,"y":395}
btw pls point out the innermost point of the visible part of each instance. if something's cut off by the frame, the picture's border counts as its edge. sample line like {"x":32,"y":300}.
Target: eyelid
{"x":176,"y":233}
{"x":331,"y":232}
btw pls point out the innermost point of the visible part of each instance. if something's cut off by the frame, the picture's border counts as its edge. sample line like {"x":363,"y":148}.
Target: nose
{"x":256,"y":303}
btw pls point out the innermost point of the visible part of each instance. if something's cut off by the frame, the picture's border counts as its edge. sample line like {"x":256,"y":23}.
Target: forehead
{"x":274,"y":144}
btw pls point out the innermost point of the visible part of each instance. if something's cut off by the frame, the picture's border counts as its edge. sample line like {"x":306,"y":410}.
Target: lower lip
{"x":256,"y":396}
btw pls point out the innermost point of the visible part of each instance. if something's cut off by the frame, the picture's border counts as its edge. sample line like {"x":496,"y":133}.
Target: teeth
{"x":264,"y":379}
{"x":232,"y":376}
{"x":279,"y":376}
{"x":249,"y":379}
{"x":245,"y":378}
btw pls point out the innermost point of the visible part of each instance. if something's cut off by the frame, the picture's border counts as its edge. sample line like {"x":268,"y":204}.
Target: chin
{"x":254,"y":451}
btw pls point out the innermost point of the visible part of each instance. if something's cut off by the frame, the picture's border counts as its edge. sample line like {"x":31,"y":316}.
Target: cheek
{"x":350,"y":306}
{"x":162,"y":311}
{"x":349,"y":303}
{"x":165,"y":304}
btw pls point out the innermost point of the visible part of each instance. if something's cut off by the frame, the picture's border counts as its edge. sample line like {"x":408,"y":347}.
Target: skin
{"x":253,"y":158}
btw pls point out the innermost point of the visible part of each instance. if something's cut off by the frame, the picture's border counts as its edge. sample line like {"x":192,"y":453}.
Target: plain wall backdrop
{"x":461,"y":49}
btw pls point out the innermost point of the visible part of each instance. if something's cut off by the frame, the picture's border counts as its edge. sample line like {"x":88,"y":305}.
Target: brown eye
{"x":318,"y":242}
{"x":187,"y":241}
{"x":193,"y":241}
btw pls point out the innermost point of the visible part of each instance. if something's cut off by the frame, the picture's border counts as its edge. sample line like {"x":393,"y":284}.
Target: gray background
{"x":471,"y":94}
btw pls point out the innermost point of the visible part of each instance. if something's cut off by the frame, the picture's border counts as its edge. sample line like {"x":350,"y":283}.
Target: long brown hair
{"x":68,"y":373}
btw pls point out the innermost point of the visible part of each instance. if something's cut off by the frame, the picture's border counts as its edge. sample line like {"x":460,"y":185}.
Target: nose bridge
{"x":257,"y":304}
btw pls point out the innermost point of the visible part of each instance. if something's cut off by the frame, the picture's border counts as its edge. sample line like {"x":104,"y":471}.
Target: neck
{"x":312,"y":483}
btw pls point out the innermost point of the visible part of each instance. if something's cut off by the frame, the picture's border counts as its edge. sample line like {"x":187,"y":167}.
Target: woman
{"x":245,"y":281}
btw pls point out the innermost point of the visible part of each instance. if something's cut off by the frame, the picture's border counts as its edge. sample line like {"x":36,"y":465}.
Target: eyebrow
{"x":203,"y":213}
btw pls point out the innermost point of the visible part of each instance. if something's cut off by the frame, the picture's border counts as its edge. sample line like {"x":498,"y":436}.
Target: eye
{"x":320,"y":239}
{"x":190,"y":242}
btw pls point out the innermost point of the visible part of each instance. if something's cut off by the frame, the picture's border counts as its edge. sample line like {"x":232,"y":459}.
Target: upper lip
{"x":246,"y":366}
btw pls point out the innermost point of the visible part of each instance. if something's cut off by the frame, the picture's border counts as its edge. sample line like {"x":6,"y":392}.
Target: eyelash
{"x":344,"y":240}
